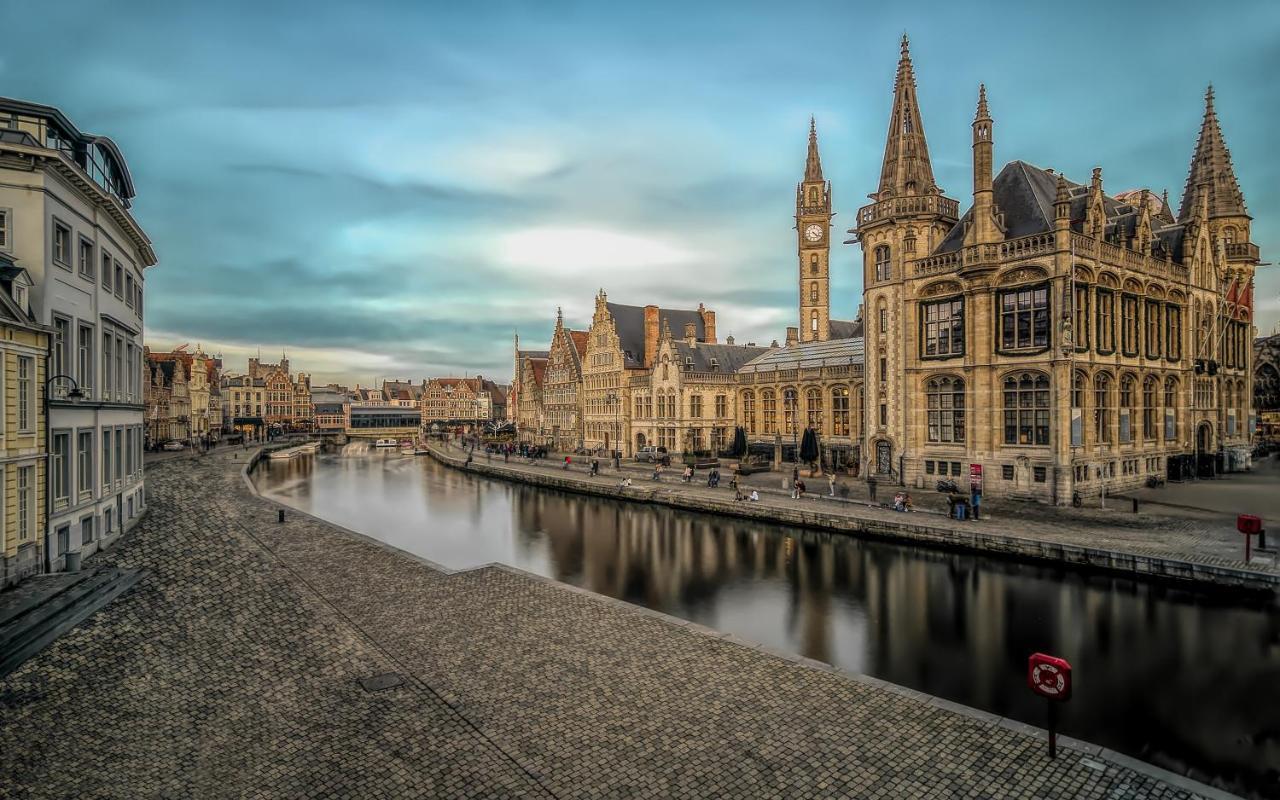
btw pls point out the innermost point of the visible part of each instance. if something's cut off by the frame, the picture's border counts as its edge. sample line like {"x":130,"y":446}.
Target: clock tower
{"x":813,"y":228}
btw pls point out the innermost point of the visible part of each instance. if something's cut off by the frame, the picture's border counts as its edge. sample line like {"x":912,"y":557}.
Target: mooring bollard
{"x":1135,"y":505}
{"x":280,"y":518}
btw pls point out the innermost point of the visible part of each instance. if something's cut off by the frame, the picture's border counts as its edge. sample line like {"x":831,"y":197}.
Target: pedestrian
{"x":754,"y":496}
{"x":831,"y":484}
{"x":688,"y":474}
{"x":657,"y":471}
{"x":795,"y":474}
{"x":566,"y":462}
{"x":871,"y":487}
{"x":595,"y":466}
{"x":799,"y":489}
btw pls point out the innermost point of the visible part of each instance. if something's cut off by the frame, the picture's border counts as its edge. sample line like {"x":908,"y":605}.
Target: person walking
{"x":831,"y":484}
{"x":657,"y":471}
{"x":871,"y":487}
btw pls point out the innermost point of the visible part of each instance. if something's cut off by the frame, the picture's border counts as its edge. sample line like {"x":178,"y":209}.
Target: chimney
{"x":793,"y":336}
{"x":650,"y":335}
{"x":690,"y":333}
{"x":708,"y":324}
{"x":729,"y":340}
{"x":774,"y":343}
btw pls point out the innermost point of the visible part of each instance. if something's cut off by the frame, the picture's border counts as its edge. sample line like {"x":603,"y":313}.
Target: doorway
{"x":884,"y":458}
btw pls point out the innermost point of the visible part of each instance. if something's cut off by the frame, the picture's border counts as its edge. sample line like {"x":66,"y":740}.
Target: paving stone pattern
{"x":233,"y":668}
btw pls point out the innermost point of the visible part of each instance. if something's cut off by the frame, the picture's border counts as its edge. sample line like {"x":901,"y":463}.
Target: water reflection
{"x":1187,"y":680}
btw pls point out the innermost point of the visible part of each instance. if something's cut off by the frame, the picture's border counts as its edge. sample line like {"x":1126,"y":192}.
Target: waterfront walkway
{"x":233,"y":669}
{"x":1177,"y":540}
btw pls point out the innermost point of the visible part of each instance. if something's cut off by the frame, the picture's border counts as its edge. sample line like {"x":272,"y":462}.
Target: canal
{"x":1183,"y":678}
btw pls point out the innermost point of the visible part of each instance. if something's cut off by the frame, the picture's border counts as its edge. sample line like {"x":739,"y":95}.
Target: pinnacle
{"x":983,"y":113}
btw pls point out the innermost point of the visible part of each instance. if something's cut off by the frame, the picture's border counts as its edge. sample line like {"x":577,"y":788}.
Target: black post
{"x":1135,"y":505}
{"x":280,"y":517}
{"x":1262,"y":539}
{"x":1053,"y":728}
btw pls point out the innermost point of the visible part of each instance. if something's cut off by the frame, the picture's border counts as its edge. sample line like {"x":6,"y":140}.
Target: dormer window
{"x":715,"y":363}
{"x":20,"y":295}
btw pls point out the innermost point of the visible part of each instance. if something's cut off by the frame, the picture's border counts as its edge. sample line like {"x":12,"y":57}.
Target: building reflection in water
{"x":1183,"y":679}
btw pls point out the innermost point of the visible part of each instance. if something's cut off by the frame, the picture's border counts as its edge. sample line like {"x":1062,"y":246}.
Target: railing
{"x":903,"y":206}
{"x":1029,"y":246}
{"x":1247,"y":251}
{"x":934,"y":264}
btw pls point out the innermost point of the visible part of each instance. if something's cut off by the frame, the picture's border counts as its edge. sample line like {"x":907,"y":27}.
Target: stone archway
{"x":640,"y":442}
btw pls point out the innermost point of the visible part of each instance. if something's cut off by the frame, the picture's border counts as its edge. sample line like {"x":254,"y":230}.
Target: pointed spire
{"x":813,"y":164}
{"x":906,"y":169}
{"x":982,"y":113}
{"x":1211,"y":171}
{"x":1166,"y":211}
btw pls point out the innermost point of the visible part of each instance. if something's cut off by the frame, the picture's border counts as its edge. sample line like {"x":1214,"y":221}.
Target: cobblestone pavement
{"x":231,"y":670}
{"x":1200,"y":535}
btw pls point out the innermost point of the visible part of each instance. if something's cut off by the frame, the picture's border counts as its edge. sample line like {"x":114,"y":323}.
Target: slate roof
{"x":9,"y":271}
{"x":1024,"y":194}
{"x":831,"y":353}
{"x":728,"y":357}
{"x":844,"y":329}
{"x":579,"y":339}
{"x":629,"y":321}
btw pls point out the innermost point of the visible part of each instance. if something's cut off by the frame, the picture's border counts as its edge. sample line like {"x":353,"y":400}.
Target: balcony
{"x":1242,"y":251}
{"x":932,"y":204}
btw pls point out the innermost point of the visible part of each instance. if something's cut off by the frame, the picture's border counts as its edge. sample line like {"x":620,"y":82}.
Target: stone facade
{"x":562,"y":407}
{"x":1266,"y":385}
{"x":462,"y":401}
{"x":1073,"y":351}
{"x":183,"y":397}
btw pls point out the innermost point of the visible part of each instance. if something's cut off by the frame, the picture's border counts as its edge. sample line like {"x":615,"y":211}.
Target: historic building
{"x":1055,"y":337}
{"x":562,"y":410}
{"x":462,"y":401}
{"x":65,"y":198}
{"x":687,"y":401}
{"x":530,"y":416}
{"x":24,"y":348}
{"x":1266,"y":385}
{"x":303,"y":410}
{"x":183,"y":397}
{"x":813,"y":229}
{"x":244,"y":404}
{"x":622,"y":341}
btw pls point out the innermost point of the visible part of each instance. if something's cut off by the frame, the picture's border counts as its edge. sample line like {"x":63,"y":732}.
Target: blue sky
{"x":389,"y":189}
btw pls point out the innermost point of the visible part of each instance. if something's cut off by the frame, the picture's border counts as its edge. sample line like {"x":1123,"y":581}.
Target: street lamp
{"x":74,"y":394}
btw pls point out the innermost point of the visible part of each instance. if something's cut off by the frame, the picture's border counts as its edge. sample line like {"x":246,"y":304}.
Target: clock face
{"x":813,"y":232}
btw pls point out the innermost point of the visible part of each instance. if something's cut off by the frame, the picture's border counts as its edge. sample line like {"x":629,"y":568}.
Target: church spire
{"x":906,"y":170}
{"x":1211,"y":171}
{"x":812,"y":163}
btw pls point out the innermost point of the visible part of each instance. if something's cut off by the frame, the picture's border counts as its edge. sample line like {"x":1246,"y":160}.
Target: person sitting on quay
{"x":688,"y":474}
{"x":625,"y":483}
{"x":657,"y":471}
{"x":754,"y":495}
{"x":799,"y":489}
{"x":737,"y":494}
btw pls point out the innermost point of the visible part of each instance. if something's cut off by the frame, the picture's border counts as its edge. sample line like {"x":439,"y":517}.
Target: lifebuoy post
{"x":1050,"y":677}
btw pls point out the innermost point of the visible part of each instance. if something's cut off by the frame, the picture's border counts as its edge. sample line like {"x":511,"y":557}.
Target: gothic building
{"x":1055,"y":338}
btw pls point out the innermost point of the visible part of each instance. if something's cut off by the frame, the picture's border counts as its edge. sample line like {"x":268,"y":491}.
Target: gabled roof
{"x":844,"y":329}
{"x":629,"y":322}
{"x":9,"y":309}
{"x":727,"y":357}
{"x":835,"y":352}
{"x":579,"y":339}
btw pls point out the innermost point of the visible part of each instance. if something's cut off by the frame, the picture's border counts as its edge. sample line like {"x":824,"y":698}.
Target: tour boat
{"x":385,"y":443}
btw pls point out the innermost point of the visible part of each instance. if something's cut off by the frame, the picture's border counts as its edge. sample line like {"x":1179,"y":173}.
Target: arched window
{"x":749,"y":411}
{"x":813,"y":292}
{"x":813,"y":409}
{"x":813,"y":321}
{"x":813,"y":263}
{"x":945,"y":397}
{"x":1078,"y":381}
{"x":883,"y":272}
{"x":813,"y":195}
{"x":1150,"y":425}
{"x":790,"y":407}
{"x":770,"y":403}
{"x":840,"y":411}
{"x":1102,"y":407}
{"x":1128,"y":410}
{"x":1026,"y":409}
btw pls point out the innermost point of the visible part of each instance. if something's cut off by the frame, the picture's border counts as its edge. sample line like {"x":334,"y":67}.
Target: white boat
{"x":385,"y":443}
{"x":406,"y":451}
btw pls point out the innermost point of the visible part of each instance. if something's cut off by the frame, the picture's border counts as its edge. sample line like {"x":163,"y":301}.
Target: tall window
{"x":790,"y":407}
{"x":1081,"y":316}
{"x":1102,"y":407}
{"x":813,"y":292}
{"x":749,"y":411}
{"x":770,"y":402}
{"x":107,"y":475}
{"x":1150,"y":425}
{"x":61,"y":343}
{"x":106,"y":270}
{"x":943,"y":327}
{"x":1127,"y":416}
{"x":813,"y":321}
{"x":1106,"y":320}
{"x":1026,"y":409}
{"x":84,"y":357}
{"x":1154,"y":334}
{"x":813,"y":263}
{"x":84,"y":462}
{"x":1077,"y":390}
{"x":813,"y":409}
{"x":884,"y":319}
{"x":26,"y":393}
{"x":1024,"y":318}
{"x":108,"y":370}
{"x":60,"y":466}
{"x":883,"y":270}
{"x":1173,"y":332}
{"x":722,"y":406}
{"x":85,"y":260}
{"x":26,"y":503}
{"x":840,"y":411}
{"x":4,"y":229}
{"x":945,"y":399}
{"x":695,"y":406}
{"x":1129,"y":324}
{"x":61,"y":244}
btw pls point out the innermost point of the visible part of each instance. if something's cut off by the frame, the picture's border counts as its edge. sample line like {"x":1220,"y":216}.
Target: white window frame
{"x":60,"y":468}
{"x":81,"y":262}
{"x":84,"y":471}
{"x":85,"y":363}
{"x":26,"y":487}
{"x":67,"y":258}
{"x":6,"y":229}
{"x":106,"y":460}
{"x":26,"y":394}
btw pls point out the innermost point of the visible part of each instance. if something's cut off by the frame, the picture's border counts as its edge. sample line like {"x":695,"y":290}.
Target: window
{"x":722,"y":406}
{"x":84,"y":357}
{"x":1006,"y":471}
{"x":1129,"y":324}
{"x":1106,"y":321}
{"x":1102,"y":407}
{"x":1026,"y":409}
{"x":1024,"y":318}
{"x":1173,"y":332}
{"x":85,"y":260}
{"x":1081,"y":316}
{"x":6,"y":238}
{"x":813,"y":321}
{"x":840,"y":411}
{"x":790,"y":407}
{"x":884,"y":415}
{"x":1127,"y":415}
{"x":945,"y":402}
{"x":108,"y":385}
{"x":84,"y":462}
{"x":1149,"y":424}
{"x":884,"y":319}
{"x":119,"y":451}
{"x":883,"y":271}
{"x":813,"y":409}
{"x":928,"y":468}
{"x":1154,"y":336}
{"x":769,"y":401}
{"x":695,"y":406}
{"x":943,"y":328}
{"x":118,"y":282}
{"x":128,"y":289}
{"x":813,"y":292}
{"x":26,"y":393}
{"x":60,"y":466}
{"x":107,"y":474}
{"x":749,"y":411}
{"x":106,"y":270}
{"x":26,"y":503}
{"x":813,"y":263}
{"x":1077,"y":390}
{"x":86,"y":530}
{"x":61,"y":244}
{"x":61,"y":343}
{"x":1038,"y":474}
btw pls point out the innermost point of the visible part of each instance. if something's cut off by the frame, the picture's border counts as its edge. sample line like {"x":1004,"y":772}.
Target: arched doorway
{"x":884,"y":457}
{"x":640,"y":441}
{"x":1206,"y":459}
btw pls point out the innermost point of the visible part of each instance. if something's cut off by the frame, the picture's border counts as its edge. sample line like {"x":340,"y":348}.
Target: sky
{"x":390,"y":190}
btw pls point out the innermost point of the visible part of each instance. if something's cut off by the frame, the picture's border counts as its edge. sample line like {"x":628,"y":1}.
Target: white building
{"x":64,"y":213}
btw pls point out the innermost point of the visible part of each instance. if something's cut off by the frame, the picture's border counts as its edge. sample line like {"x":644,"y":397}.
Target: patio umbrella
{"x":809,"y":446}
{"x":739,"y":447}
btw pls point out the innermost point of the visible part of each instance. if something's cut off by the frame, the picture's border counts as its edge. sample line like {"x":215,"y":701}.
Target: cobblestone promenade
{"x":233,"y":668}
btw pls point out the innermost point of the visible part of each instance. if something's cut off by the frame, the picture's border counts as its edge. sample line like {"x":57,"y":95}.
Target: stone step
{"x":36,"y":590}
{"x":26,"y":634}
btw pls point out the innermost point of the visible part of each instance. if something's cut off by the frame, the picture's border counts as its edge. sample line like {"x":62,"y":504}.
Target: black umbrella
{"x":739,"y":448}
{"x":809,"y":446}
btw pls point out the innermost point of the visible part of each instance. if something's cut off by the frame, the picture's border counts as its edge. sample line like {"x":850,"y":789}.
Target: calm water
{"x":1184,"y":679}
